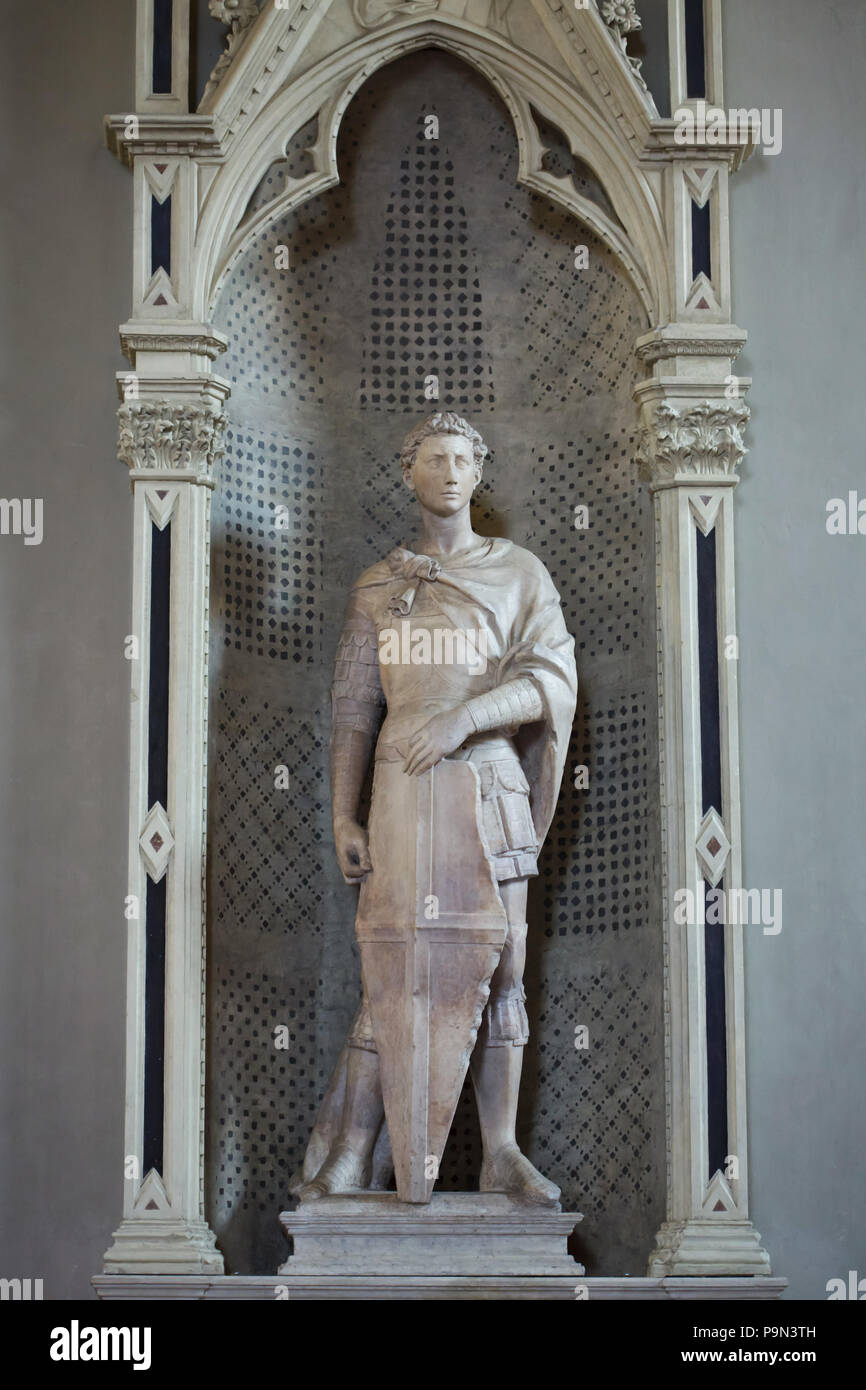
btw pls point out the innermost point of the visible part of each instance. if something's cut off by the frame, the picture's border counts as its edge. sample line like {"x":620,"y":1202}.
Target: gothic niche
{"x":428,"y":261}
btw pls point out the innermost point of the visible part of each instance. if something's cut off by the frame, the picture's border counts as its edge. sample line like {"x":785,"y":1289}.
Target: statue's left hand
{"x":437,"y":738}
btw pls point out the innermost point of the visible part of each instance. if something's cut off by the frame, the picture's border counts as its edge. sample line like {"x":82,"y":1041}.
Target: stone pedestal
{"x":483,"y":1240}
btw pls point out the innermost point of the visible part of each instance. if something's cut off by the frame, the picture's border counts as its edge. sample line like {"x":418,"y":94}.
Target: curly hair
{"x":443,"y":422}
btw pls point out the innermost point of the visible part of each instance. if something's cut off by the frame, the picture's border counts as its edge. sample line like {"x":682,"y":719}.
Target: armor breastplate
{"x":426,"y":666}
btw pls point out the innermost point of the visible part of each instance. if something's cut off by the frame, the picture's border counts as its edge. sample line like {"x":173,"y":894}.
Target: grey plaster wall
{"x":798,"y":270}
{"x":64,"y":608}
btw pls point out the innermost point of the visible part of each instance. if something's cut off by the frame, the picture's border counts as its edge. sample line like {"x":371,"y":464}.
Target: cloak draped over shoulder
{"x":507,"y":590}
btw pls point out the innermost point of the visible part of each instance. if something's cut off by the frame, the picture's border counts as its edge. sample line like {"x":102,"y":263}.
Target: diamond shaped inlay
{"x":156,"y":842}
{"x":713,"y":847}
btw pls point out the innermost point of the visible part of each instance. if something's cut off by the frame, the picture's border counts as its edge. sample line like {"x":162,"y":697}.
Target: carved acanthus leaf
{"x":705,"y":440}
{"x":167,"y":438}
{"x":240,"y":14}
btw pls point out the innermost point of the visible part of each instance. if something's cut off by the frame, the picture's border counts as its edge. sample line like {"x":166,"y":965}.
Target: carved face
{"x":444,"y":474}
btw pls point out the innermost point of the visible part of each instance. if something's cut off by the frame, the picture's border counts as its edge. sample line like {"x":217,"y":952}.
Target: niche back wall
{"x":428,"y":259}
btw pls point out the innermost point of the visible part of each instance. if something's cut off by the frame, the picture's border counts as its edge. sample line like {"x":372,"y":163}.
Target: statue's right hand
{"x":353,"y":850}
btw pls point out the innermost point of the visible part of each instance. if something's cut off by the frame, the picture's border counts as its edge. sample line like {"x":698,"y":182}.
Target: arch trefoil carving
{"x":665,"y":217}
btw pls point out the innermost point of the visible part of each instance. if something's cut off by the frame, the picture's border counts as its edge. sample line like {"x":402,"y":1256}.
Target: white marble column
{"x":691,"y":449}
{"x":169,"y":443}
{"x":171,"y":425}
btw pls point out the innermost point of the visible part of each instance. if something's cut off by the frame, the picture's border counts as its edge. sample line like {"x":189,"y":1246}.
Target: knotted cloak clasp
{"x":404,"y":564}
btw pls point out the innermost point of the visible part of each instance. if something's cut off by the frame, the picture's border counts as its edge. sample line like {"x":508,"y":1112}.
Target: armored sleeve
{"x":357,"y":698}
{"x":506,"y":707}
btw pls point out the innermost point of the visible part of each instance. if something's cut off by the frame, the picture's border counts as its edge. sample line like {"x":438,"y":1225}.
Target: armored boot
{"x":495,"y":1068}
{"x":495,"y":1071}
{"x":350,"y":1161}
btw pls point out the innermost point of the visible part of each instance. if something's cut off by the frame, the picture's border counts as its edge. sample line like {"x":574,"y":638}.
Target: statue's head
{"x":442,"y":459}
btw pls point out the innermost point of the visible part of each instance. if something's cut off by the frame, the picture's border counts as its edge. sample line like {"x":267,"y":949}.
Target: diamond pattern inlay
{"x":156,"y":842}
{"x":713,"y":847}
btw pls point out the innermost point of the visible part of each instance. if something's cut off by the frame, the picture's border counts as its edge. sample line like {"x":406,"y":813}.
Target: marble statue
{"x":461,"y":643}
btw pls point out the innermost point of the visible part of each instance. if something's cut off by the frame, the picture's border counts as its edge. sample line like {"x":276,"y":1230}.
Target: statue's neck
{"x":443,"y":536}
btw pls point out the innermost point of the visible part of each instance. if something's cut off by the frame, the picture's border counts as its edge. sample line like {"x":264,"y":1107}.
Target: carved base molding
{"x":708,"y":1248}
{"x":430,"y":1288}
{"x":151,"y":1246}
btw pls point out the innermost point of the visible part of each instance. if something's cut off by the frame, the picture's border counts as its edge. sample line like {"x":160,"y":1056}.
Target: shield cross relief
{"x":430,"y":939}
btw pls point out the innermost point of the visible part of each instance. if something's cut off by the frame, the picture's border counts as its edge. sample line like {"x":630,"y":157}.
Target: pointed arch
{"x":521,"y":81}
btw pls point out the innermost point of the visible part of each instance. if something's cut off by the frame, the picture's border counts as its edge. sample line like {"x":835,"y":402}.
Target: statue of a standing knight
{"x":461,"y":642}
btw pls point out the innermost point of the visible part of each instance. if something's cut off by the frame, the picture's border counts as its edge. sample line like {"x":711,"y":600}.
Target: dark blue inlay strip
{"x":157,"y":790}
{"x":711,"y":795}
{"x":708,"y":665}
{"x":696,"y":53}
{"x":717,"y":1047}
{"x":162,"y":46}
{"x":154,"y":1028}
{"x":160,"y":235}
{"x":160,"y":625}
{"x":702,"y":260}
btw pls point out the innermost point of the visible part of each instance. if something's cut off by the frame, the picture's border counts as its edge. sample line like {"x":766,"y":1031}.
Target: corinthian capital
{"x":702,"y":442}
{"x":169,"y":438}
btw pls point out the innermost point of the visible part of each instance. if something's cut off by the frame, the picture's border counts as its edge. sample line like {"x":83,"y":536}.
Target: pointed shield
{"x":431,"y":927}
